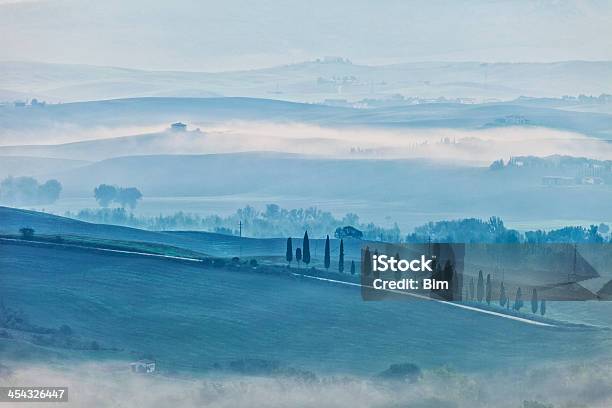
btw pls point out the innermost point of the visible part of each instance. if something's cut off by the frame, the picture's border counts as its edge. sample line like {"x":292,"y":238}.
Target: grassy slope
{"x":109,"y":244}
{"x":191,"y":317}
{"x":12,"y":219}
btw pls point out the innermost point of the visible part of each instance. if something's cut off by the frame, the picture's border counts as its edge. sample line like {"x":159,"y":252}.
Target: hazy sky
{"x":241,"y":34}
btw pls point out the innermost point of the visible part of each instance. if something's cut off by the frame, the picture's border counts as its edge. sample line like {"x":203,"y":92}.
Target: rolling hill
{"x":137,"y":305}
{"x":35,"y":166}
{"x":190,"y":318}
{"x":83,"y":120}
{"x":100,"y":149}
{"x":217,"y":245}
{"x":313,"y":80}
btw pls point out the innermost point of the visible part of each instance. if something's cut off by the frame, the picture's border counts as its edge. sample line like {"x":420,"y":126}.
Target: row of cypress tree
{"x":482,"y":292}
{"x":303,"y":254}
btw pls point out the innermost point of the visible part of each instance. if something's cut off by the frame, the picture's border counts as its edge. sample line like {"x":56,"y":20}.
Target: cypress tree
{"x":502,"y":295}
{"x":375,"y":273}
{"x":341,"y":257}
{"x":480,"y":287}
{"x":289,"y":253}
{"x":534,"y":301}
{"x":543,"y":307}
{"x":489,"y":289}
{"x":352,"y":267}
{"x":298,"y":256}
{"x":366,"y":265}
{"x":306,"y":249}
{"x":446,"y":275}
{"x":518,"y":301}
{"x":398,"y":273}
{"x":327,"y":259}
{"x":471,"y":289}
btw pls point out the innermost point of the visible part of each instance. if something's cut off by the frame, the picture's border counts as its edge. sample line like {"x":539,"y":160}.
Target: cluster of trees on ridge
{"x":22,"y":191}
{"x":106,"y":194}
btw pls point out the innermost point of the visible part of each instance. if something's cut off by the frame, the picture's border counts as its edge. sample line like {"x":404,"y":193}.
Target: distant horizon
{"x":207,"y":36}
{"x":316,"y":60}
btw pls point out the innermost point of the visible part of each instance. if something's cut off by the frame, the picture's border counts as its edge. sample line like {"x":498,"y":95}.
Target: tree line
{"x":493,"y":230}
{"x":273,"y":221}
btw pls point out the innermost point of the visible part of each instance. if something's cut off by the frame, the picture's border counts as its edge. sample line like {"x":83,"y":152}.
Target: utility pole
{"x":573,"y":277}
{"x":240,"y":240}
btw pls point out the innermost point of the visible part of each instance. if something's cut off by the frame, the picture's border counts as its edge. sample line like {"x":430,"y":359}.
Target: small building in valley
{"x":143,"y":366}
{"x":558,"y":181}
{"x":178,"y":126}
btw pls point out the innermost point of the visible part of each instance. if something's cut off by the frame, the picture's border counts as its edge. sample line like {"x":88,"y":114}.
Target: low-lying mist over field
{"x":471,"y":147}
{"x":444,"y":144}
{"x":405,"y":164}
{"x":110,"y":385}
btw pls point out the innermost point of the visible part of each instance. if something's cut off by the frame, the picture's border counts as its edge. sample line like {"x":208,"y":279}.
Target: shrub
{"x":27,"y":233}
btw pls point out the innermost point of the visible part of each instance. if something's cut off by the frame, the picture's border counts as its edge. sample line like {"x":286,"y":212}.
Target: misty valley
{"x":428,"y":234}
